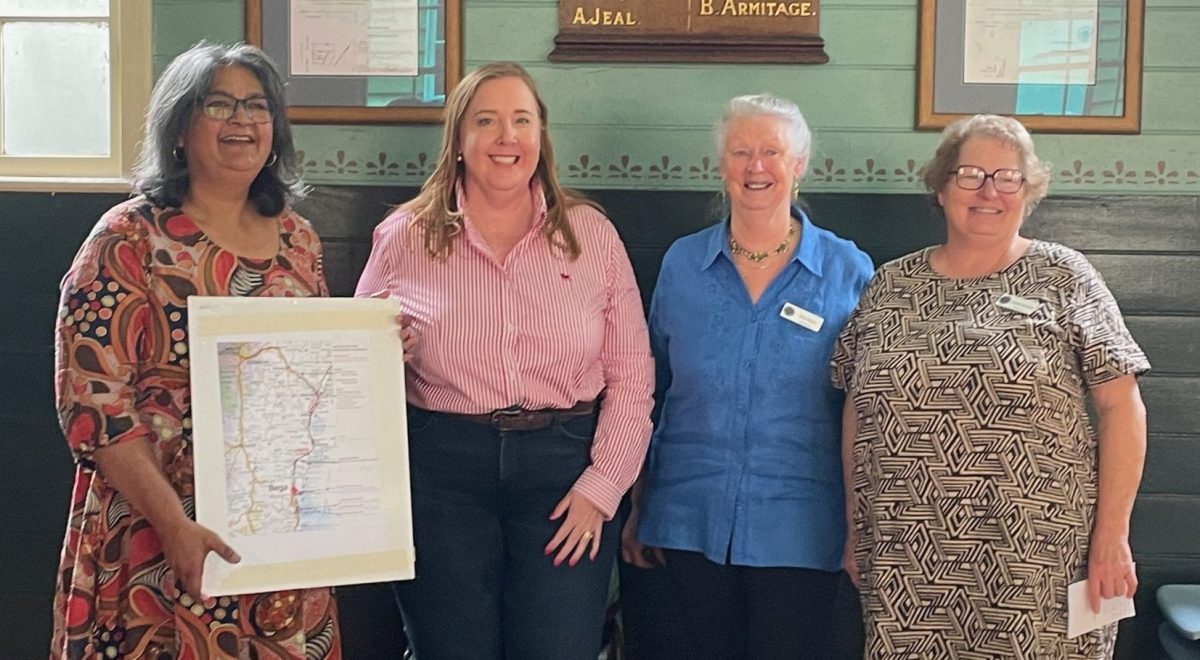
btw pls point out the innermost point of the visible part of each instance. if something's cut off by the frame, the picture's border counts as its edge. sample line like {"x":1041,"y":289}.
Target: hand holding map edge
{"x":186,"y":547}
{"x":408,"y":336}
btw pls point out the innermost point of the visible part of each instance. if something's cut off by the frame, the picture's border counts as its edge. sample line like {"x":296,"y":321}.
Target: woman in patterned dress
{"x":216,"y":179}
{"x":977,"y":489}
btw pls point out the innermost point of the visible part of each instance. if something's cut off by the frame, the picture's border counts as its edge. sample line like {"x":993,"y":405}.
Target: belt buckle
{"x":502,"y":419}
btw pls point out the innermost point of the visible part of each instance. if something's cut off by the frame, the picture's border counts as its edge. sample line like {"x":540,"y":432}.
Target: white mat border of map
{"x":378,"y":551}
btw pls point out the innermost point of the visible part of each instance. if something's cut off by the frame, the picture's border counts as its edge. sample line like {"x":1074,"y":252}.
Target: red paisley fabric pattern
{"x":121,"y":364}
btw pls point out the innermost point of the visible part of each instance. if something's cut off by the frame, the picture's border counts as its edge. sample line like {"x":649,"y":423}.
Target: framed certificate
{"x":300,"y":442}
{"x":1069,"y":66}
{"x":361,"y":61}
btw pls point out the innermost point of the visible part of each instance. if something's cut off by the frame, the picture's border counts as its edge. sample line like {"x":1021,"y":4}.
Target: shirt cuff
{"x":600,"y":491}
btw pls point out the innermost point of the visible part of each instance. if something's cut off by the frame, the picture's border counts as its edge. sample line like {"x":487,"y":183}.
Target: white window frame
{"x":131,"y":78}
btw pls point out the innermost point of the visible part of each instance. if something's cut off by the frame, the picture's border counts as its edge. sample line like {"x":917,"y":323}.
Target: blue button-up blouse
{"x":745,"y":462}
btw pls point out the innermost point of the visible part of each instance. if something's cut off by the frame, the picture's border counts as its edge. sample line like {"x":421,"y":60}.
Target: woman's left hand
{"x":582,"y":526}
{"x":1111,"y":570}
{"x":408,"y":336}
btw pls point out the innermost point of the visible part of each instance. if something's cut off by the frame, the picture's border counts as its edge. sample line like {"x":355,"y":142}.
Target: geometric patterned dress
{"x":975,"y":465}
{"x":121,"y":373}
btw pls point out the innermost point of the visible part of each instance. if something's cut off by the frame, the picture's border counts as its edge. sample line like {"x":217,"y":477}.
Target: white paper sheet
{"x":300,"y":442}
{"x":353,"y":38}
{"x":1080,"y":617}
{"x":1030,"y":42}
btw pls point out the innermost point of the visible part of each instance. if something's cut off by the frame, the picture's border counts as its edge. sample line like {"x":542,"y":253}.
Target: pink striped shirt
{"x":539,"y":331}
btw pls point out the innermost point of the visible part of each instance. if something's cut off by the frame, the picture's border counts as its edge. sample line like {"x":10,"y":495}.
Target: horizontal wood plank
{"x":1171,"y":405}
{"x":1167,"y":342}
{"x":1165,"y":525}
{"x":1172,"y":466}
{"x":1118,"y":223}
{"x":1150,"y":284}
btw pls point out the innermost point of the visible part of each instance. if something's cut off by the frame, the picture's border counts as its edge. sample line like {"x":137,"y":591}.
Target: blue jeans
{"x":484,"y":589}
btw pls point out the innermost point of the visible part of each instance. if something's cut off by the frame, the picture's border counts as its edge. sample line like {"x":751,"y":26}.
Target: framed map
{"x":300,"y":441}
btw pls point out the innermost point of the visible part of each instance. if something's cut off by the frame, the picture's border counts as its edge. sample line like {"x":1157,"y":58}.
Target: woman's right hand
{"x":133,"y":469}
{"x":849,"y":563}
{"x":634,"y":551}
{"x":186,"y":544}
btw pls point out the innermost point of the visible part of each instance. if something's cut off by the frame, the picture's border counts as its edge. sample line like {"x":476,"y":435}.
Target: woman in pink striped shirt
{"x":529,"y":389}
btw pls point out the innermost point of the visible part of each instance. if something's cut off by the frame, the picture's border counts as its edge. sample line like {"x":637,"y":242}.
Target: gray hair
{"x":162,"y":177}
{"x":936,"y":172}
{"x":766,"y":105}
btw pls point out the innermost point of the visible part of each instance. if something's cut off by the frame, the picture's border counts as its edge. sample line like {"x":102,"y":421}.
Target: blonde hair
{"x":435,"y":209}
{"x":936,"y":172}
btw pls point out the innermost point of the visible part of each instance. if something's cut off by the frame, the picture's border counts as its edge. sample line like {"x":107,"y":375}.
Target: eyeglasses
{"x":972,"y":177}
{"x":222,"y":106}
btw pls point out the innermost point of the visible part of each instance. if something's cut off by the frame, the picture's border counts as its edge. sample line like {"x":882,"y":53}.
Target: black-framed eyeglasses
{"x":223,"y":106}
{"x":972,"y":177}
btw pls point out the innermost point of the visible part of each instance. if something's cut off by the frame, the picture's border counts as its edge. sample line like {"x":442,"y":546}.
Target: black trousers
{"x":749,"y":613}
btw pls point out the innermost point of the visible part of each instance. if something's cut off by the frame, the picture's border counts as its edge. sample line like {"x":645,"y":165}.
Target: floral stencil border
{"x":626,"y":171}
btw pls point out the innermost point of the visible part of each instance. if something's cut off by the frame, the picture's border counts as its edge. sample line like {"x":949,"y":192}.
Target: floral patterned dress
{"x":121,"y":365}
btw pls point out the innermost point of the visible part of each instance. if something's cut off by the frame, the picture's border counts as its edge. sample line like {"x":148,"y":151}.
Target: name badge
{"x":802,"y":317}
{"x":1017,"y":304}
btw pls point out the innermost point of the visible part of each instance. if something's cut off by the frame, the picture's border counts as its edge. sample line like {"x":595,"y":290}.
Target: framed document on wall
{"x":1067,"y":66}
{"x":361,"y":61}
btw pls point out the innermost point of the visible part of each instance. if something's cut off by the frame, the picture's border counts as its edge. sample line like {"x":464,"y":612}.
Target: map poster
{"x":300,"y":441}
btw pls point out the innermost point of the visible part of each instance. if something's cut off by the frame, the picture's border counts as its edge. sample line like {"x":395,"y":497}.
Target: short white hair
{"x":767,"y":105}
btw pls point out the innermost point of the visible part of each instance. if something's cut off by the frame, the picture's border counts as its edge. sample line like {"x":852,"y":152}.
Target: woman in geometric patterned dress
{"x":216,"y":179}
{"x":977,"y":489}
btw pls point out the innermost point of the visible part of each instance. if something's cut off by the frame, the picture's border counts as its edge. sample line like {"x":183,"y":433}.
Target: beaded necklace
{"x":757,"y":257}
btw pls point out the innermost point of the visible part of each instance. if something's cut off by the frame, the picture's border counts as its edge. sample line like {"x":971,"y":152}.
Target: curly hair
{"x":936,"y":173}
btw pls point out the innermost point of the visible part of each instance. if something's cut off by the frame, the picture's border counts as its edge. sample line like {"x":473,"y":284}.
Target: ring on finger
{"x":587,"y":536}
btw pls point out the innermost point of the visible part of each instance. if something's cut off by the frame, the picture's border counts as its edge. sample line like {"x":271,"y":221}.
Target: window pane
{"x":54,"y":8}
{"x":56,"y":89}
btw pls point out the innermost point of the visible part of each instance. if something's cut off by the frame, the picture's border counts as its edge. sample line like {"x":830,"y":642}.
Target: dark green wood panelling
{"x":1147,"y":248}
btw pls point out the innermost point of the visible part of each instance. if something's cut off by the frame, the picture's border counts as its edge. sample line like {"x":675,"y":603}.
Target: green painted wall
{"x":649,"y":126}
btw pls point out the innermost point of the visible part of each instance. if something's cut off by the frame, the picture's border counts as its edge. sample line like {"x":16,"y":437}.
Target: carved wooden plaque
{"x":688,"y":31}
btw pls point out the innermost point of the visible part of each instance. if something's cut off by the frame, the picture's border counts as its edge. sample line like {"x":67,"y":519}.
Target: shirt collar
{"x":535,"y":191}
{"x":808,"y":253}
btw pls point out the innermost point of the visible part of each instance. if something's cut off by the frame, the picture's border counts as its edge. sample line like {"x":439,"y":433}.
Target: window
{"x":74,"y":81}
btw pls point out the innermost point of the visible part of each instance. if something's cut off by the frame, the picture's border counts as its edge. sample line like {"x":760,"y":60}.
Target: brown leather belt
{"x":515,"y":418}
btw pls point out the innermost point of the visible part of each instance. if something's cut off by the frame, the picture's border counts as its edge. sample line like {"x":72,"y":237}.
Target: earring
{"x":271,"y":161}
{"x":796,"y":189}
{"x":178,"y":155}
{"x":458,"y":158}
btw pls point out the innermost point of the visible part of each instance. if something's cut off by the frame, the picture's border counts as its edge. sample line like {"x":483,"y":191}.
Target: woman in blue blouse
{"x":743,"y":491}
